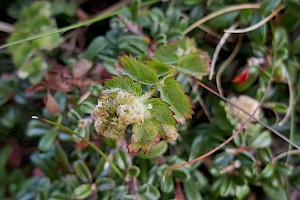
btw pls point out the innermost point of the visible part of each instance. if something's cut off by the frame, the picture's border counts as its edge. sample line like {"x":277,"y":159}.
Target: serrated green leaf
{"x":143,"y":137}
{"x":196,"y":63}
{"x":160,"y":111}
{"x":159,"y":150}
{"x":138,"y":71}
{"x":126,"y":84}
{"x":168,"y":54}
{"x":173,"y":94}
{"x":158,"y":67}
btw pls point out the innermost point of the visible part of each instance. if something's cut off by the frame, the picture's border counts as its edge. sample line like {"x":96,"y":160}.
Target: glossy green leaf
{"x":104,"y":184}
{"x":95,"y":47}
{"x":61,"y":156}
{"x":242,"y":191}
{"x":258,"y":35}
{"x":87,"y":107}
{"x":268,"y":5}
{"x":126,"y":84}
{"x":275,"y":193}
{"x":268,"y":171}
{"x":57,"y":195}
{"x":82,"y":171}
{"x":46,"y":164}
{"x":167,"y":185}
{"x":134,"y":171}
{"x":138,"y":71}
{"x":277,"y":107}
{"x":246,"y":159}
{"x":191,"y":193}
{"x":283,"y":168}
{"x":293,"y":7}
{"x":181,"y":173}
{"x":263,"y":140}
{"x":133,"y":44}
{"x":264,"y":154}
{"x":173,"y":94}
{"x":46,"y":141}
{"x":83,"y":191}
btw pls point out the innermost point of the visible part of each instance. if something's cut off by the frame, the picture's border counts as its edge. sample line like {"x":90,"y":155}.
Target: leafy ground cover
{"x":181,"y":99}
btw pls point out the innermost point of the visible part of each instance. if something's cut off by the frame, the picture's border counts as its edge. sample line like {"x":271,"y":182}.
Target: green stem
{"x":74,"y":26}
{"x":71,"y":132}
{"x":61,"y":30}
{"x":292,"y":127}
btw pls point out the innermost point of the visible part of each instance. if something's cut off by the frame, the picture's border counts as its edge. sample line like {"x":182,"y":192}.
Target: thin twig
{"x":218,"y":49}
{"x":291,"y":100}
{"x":259,"y":24}
{"x":284,"y":154}
{"x":206,"y":29}
{"x":225,"y":64}
{"x":195,"y":89}
{"x":70,"y":131}
{"x":221,"y":12}
{"x":243,"y":125}
{"x":257,"y":120}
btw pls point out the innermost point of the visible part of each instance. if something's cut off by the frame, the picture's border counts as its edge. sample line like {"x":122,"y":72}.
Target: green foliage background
{"x":59,"y":77}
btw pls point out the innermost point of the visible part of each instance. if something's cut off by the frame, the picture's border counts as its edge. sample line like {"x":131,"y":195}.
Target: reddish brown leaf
{"x":82,"y":68}
{"x":179,"y":194}
{"x":242,"y":77}
{"x":51,"y":104}
{"x":81,"y":144}
{"x":58,"y":80}
{"x":37,"y":87}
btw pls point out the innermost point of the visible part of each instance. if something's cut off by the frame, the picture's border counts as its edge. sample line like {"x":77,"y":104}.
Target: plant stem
{"x":103,"y":16}
{"x":221,"y":12}
{"x":71,"y":132}
{"x":259,"y":24}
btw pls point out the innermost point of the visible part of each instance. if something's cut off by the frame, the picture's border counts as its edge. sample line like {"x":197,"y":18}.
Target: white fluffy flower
{"x":116,"y":110}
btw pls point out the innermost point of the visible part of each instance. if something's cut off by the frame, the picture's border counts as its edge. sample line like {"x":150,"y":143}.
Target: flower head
{"x":116,"y":110}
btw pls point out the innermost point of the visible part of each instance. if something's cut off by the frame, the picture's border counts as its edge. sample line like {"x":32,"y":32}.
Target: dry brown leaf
{"x":82,"y":68}
{"x":51,"y":103}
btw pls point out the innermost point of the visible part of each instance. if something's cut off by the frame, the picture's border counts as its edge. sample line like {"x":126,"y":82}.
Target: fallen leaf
{"x":51,"y":103}
{"x":82,"y":68}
